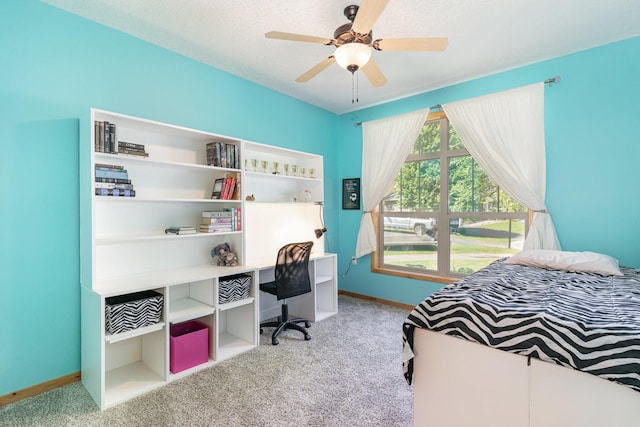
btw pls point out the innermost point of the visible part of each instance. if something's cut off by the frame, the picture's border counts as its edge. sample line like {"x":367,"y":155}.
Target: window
{"x":440,"y":183}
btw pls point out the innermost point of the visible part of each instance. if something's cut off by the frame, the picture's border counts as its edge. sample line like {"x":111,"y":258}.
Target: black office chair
{"x":291,"y":279}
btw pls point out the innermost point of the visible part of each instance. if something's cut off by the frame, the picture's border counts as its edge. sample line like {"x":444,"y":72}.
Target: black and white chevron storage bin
{"x":234,"y":288}
{"x":126,"y":312}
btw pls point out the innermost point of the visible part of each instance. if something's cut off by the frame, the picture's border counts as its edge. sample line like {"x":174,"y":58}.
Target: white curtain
{"x":504,"y":133}
{"x":385,"y":146}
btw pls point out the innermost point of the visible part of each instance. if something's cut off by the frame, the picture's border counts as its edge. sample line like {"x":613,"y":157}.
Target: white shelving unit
{"x":124,"y":249}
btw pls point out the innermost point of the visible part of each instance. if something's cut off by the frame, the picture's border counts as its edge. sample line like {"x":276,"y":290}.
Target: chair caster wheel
{"x":307,"y":324}
{"x":307,"y":337}
{"x":275,"y":341}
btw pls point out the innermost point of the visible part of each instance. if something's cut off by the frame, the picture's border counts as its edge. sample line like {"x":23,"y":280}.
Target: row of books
{"x":106,"y":138}
{"x":112,"y":180}
{"x":224,"y":188}
{"x":106,"y":141}
{"x":228,"y":219}
{"x":132,"y":148}
{"x":223,"y":155}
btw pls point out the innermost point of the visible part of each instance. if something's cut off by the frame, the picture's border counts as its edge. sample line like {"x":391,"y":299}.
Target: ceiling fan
{"x":354,"y":41}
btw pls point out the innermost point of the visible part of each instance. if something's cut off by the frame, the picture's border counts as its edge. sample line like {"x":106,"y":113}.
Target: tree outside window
{"x":440,"y":183}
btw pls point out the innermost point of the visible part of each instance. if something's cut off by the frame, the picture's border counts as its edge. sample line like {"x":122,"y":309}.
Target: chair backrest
{"x":292,"y":270}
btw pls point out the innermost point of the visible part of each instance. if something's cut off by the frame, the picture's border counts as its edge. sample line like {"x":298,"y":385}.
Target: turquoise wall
{"x":55,"y":66}
{"x":592,"y":128}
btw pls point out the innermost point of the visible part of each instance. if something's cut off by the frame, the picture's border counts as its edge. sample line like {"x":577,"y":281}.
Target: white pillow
{"x":588,"y":262}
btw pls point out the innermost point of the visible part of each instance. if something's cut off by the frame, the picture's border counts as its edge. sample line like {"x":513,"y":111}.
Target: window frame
{"x":442,"y":216}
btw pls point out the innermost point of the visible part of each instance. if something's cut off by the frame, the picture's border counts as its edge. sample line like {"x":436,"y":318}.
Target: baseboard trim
{"x":379,"y":300}
{"x":39,"y":388}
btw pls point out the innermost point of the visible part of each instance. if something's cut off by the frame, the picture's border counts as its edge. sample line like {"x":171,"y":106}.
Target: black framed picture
{"x":351,"y":193}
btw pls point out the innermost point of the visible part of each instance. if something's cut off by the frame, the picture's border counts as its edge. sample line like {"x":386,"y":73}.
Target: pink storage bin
{"x":188,"y":345}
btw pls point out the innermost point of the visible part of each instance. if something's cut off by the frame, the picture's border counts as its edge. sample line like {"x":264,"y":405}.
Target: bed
{"x":524,"y":342}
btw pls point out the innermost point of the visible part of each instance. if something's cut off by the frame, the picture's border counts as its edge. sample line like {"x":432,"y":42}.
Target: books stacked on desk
{"x":217,"y":221}
{"x":223,"y":155}
{"x":132,"y":149}
{"x":112,"y":180}
{"x":180,"y":230}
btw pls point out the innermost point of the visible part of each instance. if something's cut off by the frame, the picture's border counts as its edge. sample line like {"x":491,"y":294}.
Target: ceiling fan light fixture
{"x":352,"y":56}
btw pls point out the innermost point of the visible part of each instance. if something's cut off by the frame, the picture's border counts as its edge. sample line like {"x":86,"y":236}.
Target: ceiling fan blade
{"x":430,"y":44}
{"x":316,"y":69}
{"x":368,"y":13}
{"x":297,"y":37}
{"x":373,"y":73}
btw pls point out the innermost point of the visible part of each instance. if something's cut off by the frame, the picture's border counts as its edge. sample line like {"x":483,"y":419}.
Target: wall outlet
{"x":354,"y":260}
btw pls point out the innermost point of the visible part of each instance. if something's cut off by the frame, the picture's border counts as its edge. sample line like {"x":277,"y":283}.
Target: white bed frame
{"x":461,"y":383}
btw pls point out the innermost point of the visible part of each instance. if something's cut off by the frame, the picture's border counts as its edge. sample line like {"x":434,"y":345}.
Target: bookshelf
{"x":124,"y":249}
{"x":166,"y":179}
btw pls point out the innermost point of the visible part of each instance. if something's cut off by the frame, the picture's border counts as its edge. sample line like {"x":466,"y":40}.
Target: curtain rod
{"x":435,"y":107}
{"x":549,"y":82}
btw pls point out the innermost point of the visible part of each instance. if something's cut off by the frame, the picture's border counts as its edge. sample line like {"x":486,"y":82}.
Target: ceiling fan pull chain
{"x":354,"y":87}
{"x":352,"y":97}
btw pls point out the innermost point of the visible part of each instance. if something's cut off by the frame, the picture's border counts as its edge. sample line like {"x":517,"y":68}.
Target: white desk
{"x":319,"y":304}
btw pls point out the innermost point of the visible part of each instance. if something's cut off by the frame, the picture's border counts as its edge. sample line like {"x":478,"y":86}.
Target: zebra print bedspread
{"x":579,"y":320}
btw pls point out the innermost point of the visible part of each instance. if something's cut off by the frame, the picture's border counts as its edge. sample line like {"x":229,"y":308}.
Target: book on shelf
{"x":236,"y":193}
{"x":216,"y":220}
{"x":217,"y":188}
{"x":98,"y":141}
{"x":227,"y":188}
{"x":215,"y":228}
{"x":105,"y":185}
{"x":108,"y":166}
{"x":216,"y":214}
{"x":180,"y":230}
{"x":133,"y":153}
{"x":113,"y":138}
{"x":113,"y":185}
{"x":119,"y":174}
{"x":115,"y":192}
{"x":114,"y":180}
{"x":131,"y":145}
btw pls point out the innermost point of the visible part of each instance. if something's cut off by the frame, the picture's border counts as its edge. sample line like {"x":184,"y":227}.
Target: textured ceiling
{"x":485,"y":36}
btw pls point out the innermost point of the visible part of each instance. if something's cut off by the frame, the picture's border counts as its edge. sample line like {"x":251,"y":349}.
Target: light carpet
{"x":349,"y":374}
